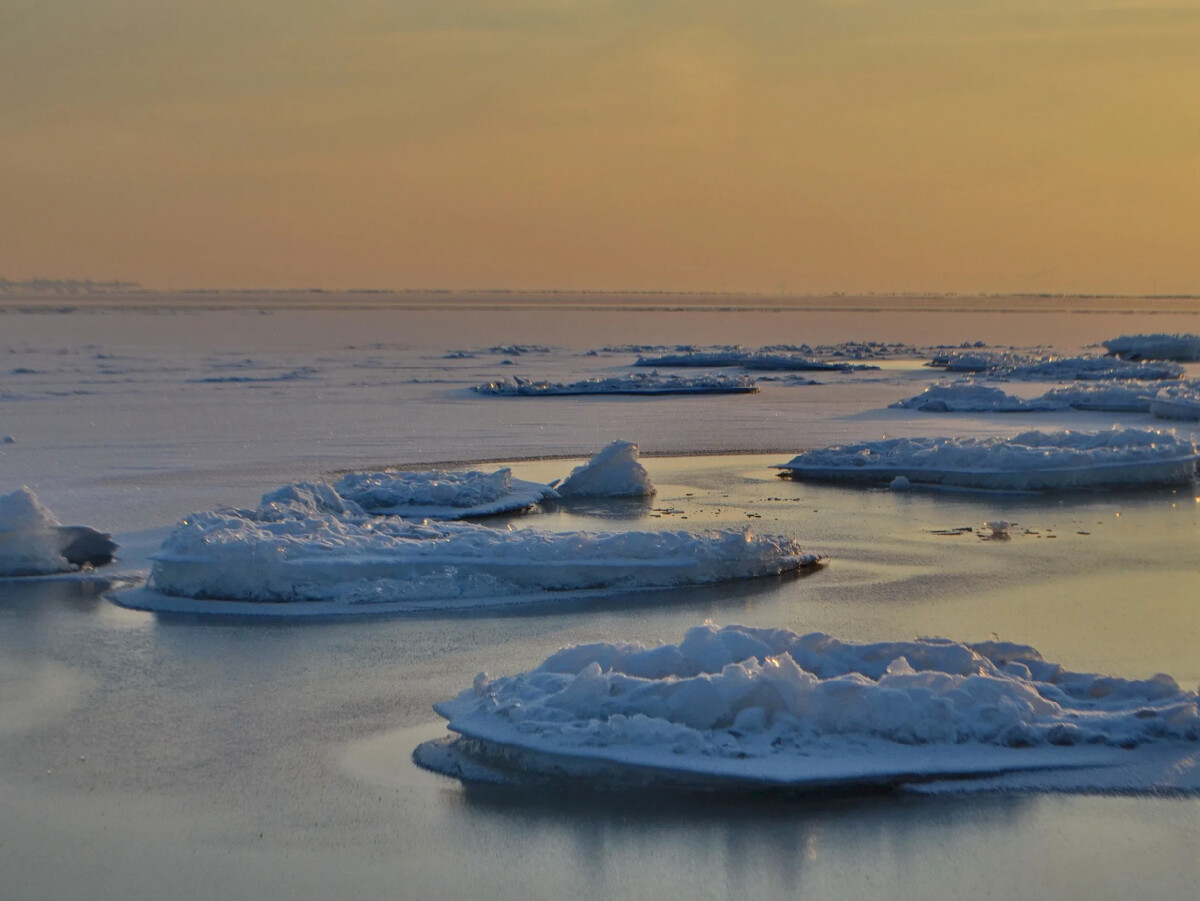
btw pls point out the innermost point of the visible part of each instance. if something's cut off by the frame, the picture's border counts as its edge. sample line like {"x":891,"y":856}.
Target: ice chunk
{"x":758,"y":707}
{"x":350,"y":563}
{"x":614,"y":472}
{"x":634,"y":383}
{"x":1181,"y":348}
{"x":33,"y":543}
{"x":1107,"y":396}
{"x":1054,"y":369}
{"x":1177,"y":402}
{"x":1030,"y":461}
{"x":969,"y":397}
{"x":442,"y":495}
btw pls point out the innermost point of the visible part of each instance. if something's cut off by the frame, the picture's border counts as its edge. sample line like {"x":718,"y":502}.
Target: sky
{"x":795,"y":146}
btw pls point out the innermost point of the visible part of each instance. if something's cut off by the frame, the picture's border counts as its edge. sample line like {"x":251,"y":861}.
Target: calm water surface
{"x":156,"y":757}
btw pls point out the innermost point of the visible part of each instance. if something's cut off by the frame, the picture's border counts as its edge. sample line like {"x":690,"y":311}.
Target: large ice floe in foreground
{"x":1181,"y":348}
{"x":650,"y":383}
{"x":1030,"y":461}
{"x":34,"y":543}
{"x":304,"y":551}
{"x":739,"y":707}
{"x":436,"y":494}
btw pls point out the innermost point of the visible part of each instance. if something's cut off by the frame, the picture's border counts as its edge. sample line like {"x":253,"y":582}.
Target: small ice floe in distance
{"x":614,"y":472}
{"x":1177,"y":402}
{"x":651,"y":383}
{"x":1182,"y":348}
{"x":750,"y":359}
{"x":34,"y":543}
{"x":437,"y":494}
{"x":1030,"y":461}
{"x":1055,"y":369}
{"x":741,"y":707}
{"x":307,"y":552}
{"x":969,"y":397}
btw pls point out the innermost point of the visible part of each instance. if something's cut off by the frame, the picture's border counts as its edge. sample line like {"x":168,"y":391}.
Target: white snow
{"x":1181,"y":348}
{"x":1024,"y":367}
{"x":1177,"y":402}
{"x":296,"y":550}
{"x":970,"y":397}
{"x":1030,"y":461}
{"x":739,"y":705}
{"x":437,"y":494}
{"x":633,"y":383}
{"x":1106,"y":396}
{"x":614,"y":472}
{"x":750,"y":359}
{"x":32,"y":541}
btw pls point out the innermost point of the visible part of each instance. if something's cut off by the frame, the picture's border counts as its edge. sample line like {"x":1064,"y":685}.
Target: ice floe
{"x":1105,"y":396}
{"x":969,"y":397}
{"x":614,"y":472}
{"x":436,"y":494}
{"x":300,"y":553}
{"x":651,"y":383}
{"x":34,"y":543}
{"x":750,"y":359}
{"x":1030,"y":461}
{"x":1181,"y":348}
{"x":747,"y":707}
{"x":1023,"y":367}
{"x":1177,"y":402}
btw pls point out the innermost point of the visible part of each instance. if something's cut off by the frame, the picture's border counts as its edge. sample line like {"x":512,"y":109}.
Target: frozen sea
{"x":147,"y":756}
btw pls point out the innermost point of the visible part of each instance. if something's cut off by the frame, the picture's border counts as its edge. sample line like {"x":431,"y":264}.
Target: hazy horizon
{"x":829,"y":146}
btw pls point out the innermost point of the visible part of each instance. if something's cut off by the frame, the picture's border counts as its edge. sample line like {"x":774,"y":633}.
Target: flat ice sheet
{"x":1030,"y":461}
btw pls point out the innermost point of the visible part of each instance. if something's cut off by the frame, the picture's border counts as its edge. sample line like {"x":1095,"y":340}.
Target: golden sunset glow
{"x":877,"y":145}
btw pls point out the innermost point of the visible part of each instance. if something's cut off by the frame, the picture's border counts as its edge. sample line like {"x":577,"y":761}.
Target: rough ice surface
{"x":1030,"y":461}
{"x":772,"y":707}
{"x":294,"y":556}
{"x":1023,"y":367}
{"x":436,"y":494}
{"x":614,"y":472}
{"x":749,"y":359}
{"x":969,"y":397}
{"x":1177,"y":402}
{"x":1106,"y":396}
{"x":633,"y":383}
{"x":1180,"y":348}
{"x":34,"y":543}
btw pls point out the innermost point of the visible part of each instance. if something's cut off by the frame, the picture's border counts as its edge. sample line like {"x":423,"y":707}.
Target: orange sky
{"x":766,"y":145}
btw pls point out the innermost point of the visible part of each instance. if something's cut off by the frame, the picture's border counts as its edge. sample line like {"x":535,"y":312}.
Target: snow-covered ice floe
{"x":651,"y":383}
{"x":303,"y":555}
{"x":34,"y":543}
{"x":1030,"y":461}
{"x":436,"y":494}
{"x":1180,"y":348}
{"x":1177,"y":402}
{"x":969,"y":397}
{"x":1055,"y":369}
{"x":750,"y":359}
{"x":740,"y":707}
{"x":614,"y":472}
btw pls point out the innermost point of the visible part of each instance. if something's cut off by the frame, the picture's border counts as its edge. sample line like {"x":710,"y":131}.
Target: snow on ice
{"x":651,"y":383}
{"x":614,"y":472}
{"x":969,"y":397}
{"x":437,"y":494}
{"x":739,"y":706}
{"x":1180,"y":348}
{"x":1177,"y":402}
{"x":34,"y":543}
{"x":1030,"y":461}
{"x":305,"y":550}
